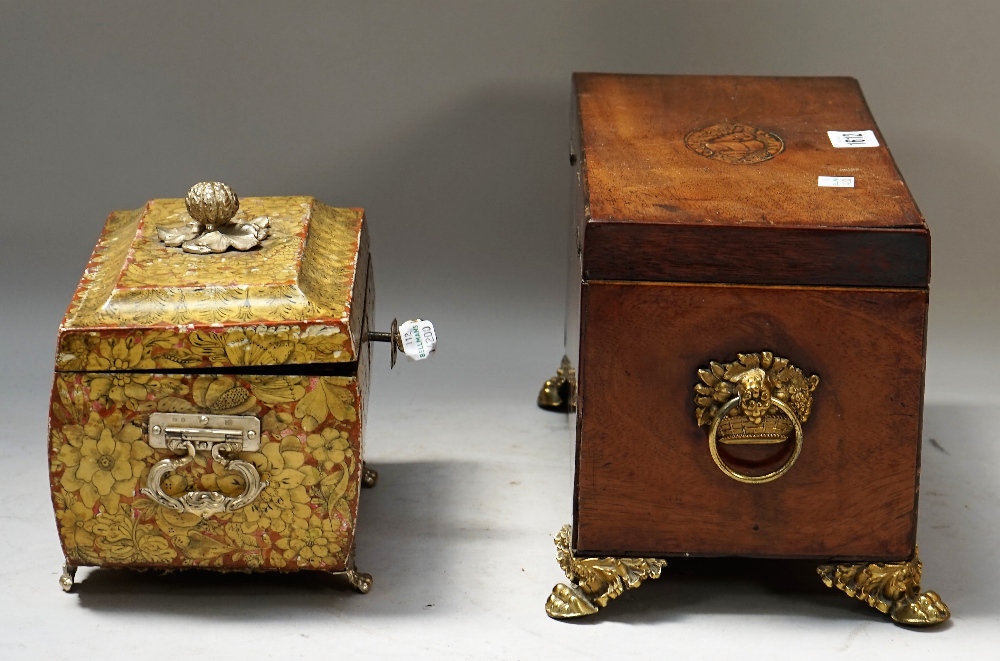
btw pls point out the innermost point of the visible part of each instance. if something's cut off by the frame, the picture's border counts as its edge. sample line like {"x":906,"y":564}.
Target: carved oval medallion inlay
{"x":734,"y":143}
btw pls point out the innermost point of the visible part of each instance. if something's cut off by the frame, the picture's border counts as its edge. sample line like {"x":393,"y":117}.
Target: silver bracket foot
{"x":369,"y":476}
{"x":67,"y":579}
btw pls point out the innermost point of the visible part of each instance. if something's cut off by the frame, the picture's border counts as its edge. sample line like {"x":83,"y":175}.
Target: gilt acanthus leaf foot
{"x":594,"y":581}
{"x":889,"y":587}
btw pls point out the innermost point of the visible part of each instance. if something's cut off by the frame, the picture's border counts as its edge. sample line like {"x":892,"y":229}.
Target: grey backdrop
{"x":448,"y":122}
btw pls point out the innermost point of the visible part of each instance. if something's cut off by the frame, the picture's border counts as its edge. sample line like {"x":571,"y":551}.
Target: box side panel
{"x":242,"y":346}
{"x":334,"y":267}
{"x":364,"y":288}
{"x":758,"y":255}
{"x":646,"y":483}
{"x":574,"y":278}
{"x":365,"y":353}
{"x":574,"y":241}
{"x":310,"y":457}
{"x":110,"y":253}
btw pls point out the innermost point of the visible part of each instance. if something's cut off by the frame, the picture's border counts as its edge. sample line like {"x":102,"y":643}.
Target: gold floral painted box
{"x":210,"y":382}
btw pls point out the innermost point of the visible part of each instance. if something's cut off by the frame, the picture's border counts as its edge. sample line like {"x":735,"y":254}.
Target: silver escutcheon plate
{"x":204,"y":430}
{"x":222,"y":436}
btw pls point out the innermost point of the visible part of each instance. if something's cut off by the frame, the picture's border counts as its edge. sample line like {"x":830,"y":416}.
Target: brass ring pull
{"x":753,"y":479}
{"x":203,"y":503}
{"x":757,"y":399}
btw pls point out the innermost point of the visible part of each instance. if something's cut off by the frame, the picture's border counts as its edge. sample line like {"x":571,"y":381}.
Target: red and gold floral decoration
{"x":309,"y":456}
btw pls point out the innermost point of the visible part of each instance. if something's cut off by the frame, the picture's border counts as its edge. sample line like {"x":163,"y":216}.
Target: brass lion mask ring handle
{"x":713,"y":447}
{"x":758,"y":399}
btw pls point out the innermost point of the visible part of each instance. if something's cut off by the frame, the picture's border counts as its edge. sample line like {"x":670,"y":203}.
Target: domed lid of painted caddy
{"x":217,"y":281}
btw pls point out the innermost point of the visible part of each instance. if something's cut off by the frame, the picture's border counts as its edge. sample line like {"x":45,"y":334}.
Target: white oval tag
{"x":419,"y":338}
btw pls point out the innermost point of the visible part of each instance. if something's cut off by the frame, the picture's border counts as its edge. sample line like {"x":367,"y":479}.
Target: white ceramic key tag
{"x":416,"y":338}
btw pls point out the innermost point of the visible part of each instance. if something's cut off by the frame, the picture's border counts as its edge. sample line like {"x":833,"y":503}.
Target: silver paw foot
{"x":369,"y":476}
{"x":66,"y":580}
{"x":359,"y":580}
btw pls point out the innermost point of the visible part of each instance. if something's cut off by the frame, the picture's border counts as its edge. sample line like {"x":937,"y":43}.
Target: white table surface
{"x":458,"y":535}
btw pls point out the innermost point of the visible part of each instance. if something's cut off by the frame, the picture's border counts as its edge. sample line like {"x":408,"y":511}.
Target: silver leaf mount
{"x":212,"y":206}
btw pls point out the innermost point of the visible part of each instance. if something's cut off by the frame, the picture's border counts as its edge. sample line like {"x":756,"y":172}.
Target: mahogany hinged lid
{"x":295,"y":296}
{"x":718,"y":179}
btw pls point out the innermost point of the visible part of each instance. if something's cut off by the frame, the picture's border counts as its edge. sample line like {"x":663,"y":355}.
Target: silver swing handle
{"x":189,"y":433}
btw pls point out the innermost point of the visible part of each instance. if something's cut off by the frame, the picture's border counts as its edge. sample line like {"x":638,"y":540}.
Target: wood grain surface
{"x":645,"y":482}
{"x":658,"y":210}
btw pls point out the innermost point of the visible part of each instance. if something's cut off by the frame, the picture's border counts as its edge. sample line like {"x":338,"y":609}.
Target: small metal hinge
{"x":204,"y":430}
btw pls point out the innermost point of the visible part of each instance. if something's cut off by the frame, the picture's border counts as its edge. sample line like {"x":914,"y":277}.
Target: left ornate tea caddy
{"x":210,"y":382}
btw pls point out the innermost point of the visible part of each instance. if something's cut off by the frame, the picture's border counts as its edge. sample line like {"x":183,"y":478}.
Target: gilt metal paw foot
{"x":559,"y":392}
